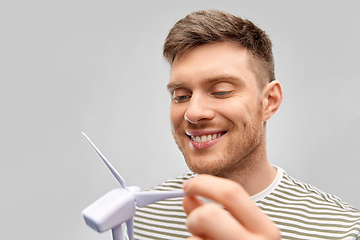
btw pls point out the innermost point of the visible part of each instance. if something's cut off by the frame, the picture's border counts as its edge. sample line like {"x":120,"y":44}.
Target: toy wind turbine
{"x":118,"y":205}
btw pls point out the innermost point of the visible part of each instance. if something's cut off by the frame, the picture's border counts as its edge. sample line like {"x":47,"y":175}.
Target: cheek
{"x":234,"y":110}
{"x":238,"y":112}
{"x":176,"y":116}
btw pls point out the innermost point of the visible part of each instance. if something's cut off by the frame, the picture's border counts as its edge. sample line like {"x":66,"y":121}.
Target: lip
{"x":203,"y":145}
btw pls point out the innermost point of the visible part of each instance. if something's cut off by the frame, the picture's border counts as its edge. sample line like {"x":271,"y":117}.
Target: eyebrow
{"x":172,"y":86}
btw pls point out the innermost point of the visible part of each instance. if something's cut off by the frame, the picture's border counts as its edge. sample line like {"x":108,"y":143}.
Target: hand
{"x":242,"y":219}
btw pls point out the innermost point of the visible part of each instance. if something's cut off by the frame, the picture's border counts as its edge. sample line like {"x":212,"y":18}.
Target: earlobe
{"x":272,"y":98}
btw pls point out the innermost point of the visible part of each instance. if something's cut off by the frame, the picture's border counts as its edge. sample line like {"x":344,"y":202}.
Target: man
{"x":223,"y":91}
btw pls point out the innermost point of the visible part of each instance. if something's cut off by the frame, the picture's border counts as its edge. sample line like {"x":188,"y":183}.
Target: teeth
{"x":204,"y":138}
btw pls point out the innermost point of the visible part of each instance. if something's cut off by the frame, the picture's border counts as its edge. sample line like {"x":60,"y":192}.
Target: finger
{"x":194,"y":238}
{"x":190,"y":203}
{"x":209,"y":221}
{"x":234,"y":198}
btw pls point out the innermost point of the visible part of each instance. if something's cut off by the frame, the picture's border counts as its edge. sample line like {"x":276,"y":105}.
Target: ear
{"x":272,"y":98}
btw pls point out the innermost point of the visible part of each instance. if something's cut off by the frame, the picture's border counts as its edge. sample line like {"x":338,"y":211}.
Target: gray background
{"x":96,"y":66}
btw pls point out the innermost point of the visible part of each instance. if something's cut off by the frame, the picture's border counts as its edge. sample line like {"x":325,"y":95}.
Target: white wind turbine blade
{"x":145,"y":198}
{"x":107,"y":163}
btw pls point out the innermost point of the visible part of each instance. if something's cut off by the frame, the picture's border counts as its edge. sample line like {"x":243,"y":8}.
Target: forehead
{"x":211,"y":61}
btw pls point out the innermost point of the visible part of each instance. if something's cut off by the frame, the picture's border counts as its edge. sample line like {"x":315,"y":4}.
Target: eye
{"x":181,"y":95}
{"x":181,"y":98}
{"x":222,"y":93}
{"x":222,"y":89}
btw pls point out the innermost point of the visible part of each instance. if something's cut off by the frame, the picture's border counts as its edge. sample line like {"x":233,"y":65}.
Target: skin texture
{"x":215,"y":92}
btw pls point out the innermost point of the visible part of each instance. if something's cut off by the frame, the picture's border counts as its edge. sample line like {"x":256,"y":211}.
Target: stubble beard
{"x":238,"y":157}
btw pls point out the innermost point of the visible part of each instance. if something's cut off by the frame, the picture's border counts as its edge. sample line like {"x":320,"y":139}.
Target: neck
{"x":256,"y":173}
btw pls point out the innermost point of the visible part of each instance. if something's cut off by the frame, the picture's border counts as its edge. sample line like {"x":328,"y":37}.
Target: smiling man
{"x":223,"y":92}
{"x":219,"y":112}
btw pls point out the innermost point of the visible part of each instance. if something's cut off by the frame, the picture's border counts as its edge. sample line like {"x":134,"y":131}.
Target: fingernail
{"x":185,"y":185}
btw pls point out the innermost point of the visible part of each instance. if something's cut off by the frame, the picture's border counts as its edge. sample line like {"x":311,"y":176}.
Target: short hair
{"x":211,"y":26}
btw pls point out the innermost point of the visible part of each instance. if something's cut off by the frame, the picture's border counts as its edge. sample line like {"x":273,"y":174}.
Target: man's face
{"x":216,"y":109}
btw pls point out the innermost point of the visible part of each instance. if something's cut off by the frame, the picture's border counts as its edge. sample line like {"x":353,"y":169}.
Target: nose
{"x":199,"y":110}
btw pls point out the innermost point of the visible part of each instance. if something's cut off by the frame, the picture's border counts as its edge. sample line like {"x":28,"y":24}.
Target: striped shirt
{"x":300,"y":211}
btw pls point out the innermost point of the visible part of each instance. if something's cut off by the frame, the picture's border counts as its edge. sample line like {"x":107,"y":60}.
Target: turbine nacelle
{"x":117,"y":206}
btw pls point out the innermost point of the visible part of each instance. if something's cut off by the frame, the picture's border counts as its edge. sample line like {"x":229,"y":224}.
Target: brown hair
{"x":215,"y":26}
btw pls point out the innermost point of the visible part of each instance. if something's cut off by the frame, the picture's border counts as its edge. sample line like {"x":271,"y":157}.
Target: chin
{"x":199,"y":166}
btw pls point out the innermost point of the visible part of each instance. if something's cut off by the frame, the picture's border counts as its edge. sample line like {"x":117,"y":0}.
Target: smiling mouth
{"x":206,"y":138}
